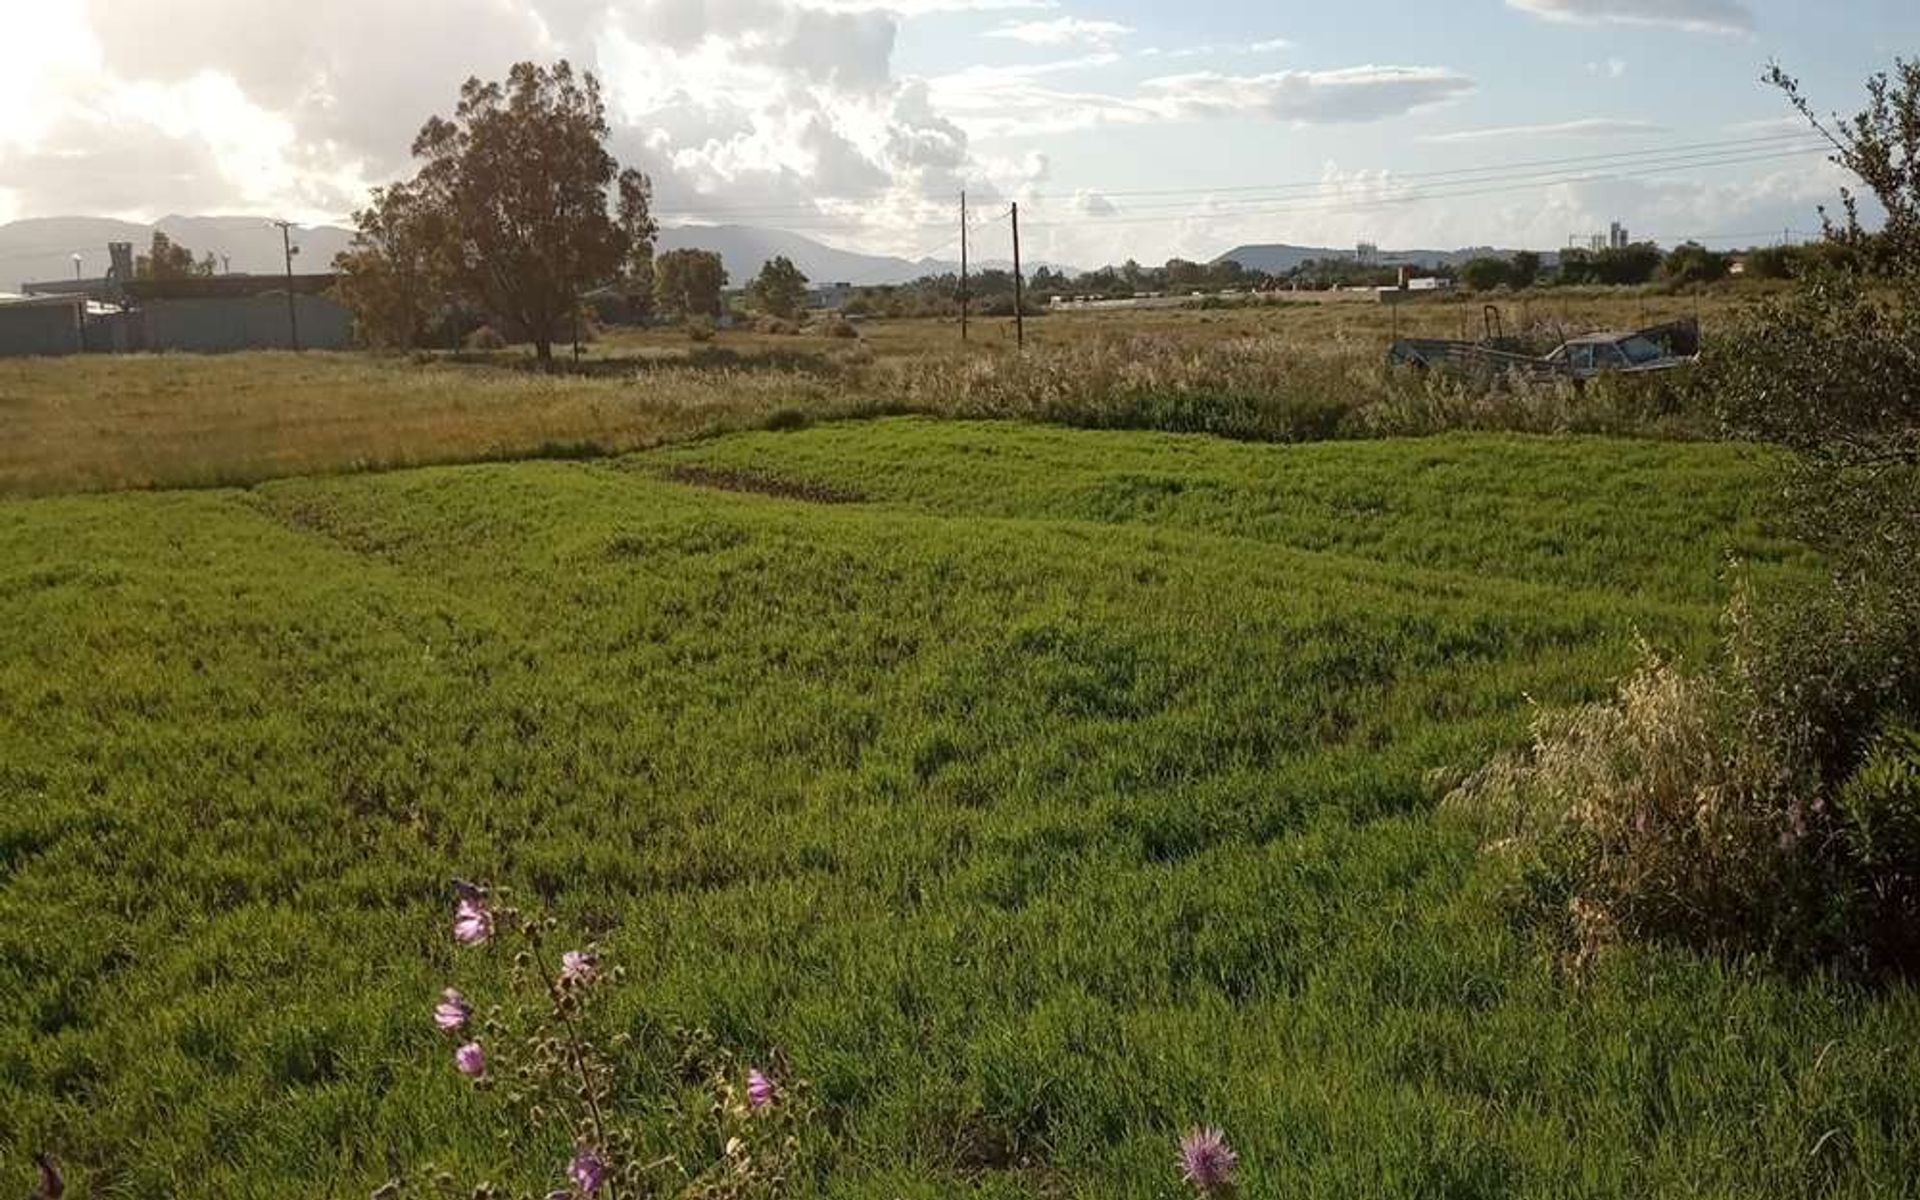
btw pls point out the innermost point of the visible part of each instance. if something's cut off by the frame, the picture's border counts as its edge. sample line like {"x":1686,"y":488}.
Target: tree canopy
{"x":780,"y":289}
{"x":517,"y":209}
{"x":688,"y":283}
{"x":1690,"y":262}
{"x":1485,"y":274}
{"x":390,"y":274}
{"x":168,"y":259}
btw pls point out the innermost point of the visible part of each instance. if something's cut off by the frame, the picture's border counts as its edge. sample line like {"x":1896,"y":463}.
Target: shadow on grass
{"x":815,"y":363}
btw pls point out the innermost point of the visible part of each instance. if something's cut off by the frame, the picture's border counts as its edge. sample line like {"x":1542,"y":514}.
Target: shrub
{"x":1771,"y":262}
{"x":857,"y":355}
{"x":785,"y":420}
{"x":1690,"y":262}
{"x":1881,"y":807}
{"x":1742,"y":808}
{"x":838,"y":327}
{"x":1485,"y":274}
{"x":485,"y":338}
{"x":700,"y":329}
{"x":1640,"y":817}
{"x":776,"y":326}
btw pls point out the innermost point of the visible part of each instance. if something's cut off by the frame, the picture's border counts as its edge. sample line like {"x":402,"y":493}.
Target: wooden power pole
{"x":293,"y":320}
{"x":963,"y":266}
{"x":1019,"y":286}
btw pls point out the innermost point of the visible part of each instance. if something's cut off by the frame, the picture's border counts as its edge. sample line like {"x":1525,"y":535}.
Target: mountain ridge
{"x":41,"y":249}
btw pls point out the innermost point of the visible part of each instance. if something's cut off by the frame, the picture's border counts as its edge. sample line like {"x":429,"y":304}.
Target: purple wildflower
{"x":759,"y":1090}
{"x":452,"y":1012}
{"x":470,"y":1060}
{"x":472,"y":923}
{"x":587,"y":1171}
{"x":578,"y":966}
{"x":1207,"y":1162}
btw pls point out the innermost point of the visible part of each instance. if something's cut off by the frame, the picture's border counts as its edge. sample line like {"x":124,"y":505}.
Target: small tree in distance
{"x":168,"y":259}
{"x":780,"y":290}
{"x":1690,"y":262}
{"x":1523,"y":270}
{"x":1484,"y":274}
{"x":688,"y":283}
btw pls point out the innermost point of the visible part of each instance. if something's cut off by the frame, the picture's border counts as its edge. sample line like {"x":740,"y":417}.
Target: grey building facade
{"x":219,"y":325}
{"x":46,"y":325}
{"x":217,"y":314}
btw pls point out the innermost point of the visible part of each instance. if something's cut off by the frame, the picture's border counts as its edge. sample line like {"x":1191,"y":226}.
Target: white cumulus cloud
{"x":1062,"y":31}
{"x":1697,"y":16}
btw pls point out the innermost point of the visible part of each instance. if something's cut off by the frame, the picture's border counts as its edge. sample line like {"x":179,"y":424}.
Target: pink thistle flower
{"x":470,"y":1060}
{"x":472,"y":923}
{"x":578,"y":966}
{"x":1207,"y":1162}
{"x":587,"y":1171}
{"x":453,"y":1011}
{"x":759,"y":1090}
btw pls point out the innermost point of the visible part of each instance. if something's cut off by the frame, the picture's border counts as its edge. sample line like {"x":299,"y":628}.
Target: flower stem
{"x":574,"y":1050}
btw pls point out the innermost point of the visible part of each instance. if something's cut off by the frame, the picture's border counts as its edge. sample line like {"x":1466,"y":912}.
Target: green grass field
{"x":1038,"y":792}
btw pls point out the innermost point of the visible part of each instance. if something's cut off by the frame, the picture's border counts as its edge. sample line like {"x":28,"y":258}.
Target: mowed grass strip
{"x":1032,"y":828}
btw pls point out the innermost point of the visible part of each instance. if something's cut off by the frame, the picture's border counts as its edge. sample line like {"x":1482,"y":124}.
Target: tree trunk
{"x":543,"y":351}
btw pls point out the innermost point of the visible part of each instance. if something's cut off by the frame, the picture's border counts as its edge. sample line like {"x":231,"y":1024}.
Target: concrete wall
{"x":243,"y":323}
{"x":39,"y":329}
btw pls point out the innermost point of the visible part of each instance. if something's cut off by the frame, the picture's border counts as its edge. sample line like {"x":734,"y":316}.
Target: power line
{"x":1627,"y":164}
{"x":1424,"y":197}
{"x":1501,"y":167}
{"x":1676,"y":161}
{"x":1620,"y":157}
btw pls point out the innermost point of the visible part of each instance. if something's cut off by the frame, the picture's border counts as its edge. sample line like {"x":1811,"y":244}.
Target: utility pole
{"x":963,"y":266}
{"x":293,"y":320}
{"x":1019,"y":286}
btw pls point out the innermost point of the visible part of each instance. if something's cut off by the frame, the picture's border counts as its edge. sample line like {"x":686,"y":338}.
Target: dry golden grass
{"x":100,"y":423}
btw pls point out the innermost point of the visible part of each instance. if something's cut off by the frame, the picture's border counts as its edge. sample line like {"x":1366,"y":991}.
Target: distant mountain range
{"x":42,"y":248}
{"x":745,"y":249}
{"x":1278,"y":258}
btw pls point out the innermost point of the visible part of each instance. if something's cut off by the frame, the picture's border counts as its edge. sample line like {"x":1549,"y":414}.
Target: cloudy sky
{"x":1140,"y":128}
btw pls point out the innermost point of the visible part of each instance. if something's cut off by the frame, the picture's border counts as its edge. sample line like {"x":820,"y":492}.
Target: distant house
{"x":829,"y":297}
{"x":1419,"y":286}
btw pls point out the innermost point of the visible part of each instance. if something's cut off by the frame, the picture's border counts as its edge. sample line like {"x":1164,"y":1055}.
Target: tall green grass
{"x":1067,"y":791}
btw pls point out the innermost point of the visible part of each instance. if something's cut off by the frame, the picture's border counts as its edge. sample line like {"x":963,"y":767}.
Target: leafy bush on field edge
{"x":1692,"y":809}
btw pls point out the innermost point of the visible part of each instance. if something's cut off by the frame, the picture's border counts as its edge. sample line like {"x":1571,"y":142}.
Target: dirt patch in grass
{"x":735,"y":479}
